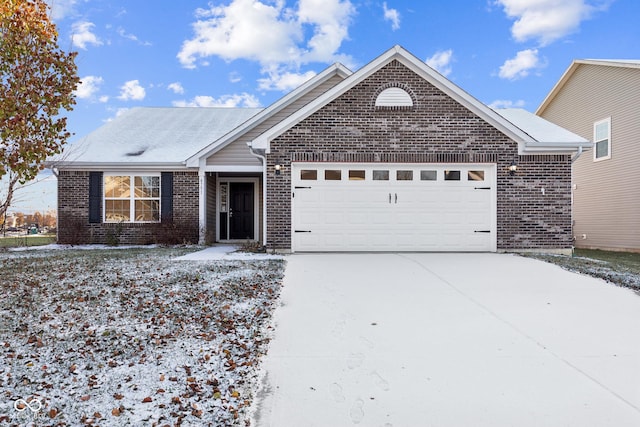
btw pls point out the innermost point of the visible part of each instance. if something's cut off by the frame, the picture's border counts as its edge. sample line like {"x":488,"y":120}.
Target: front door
{"x":241,"y":212}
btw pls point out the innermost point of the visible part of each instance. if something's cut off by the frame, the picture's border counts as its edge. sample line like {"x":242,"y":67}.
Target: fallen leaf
{"x":147,"y":400}
{"x":115,"y":412}
{"x":85,"y":398}
{"x":53,"y":412}
{"x":118,"y":396}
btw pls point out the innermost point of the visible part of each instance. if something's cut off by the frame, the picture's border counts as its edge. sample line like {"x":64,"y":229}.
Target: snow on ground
{"x":131,"y":337}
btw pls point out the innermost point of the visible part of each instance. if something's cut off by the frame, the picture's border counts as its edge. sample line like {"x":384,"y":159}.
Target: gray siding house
{"x":392,"y":157}
{"x":600,"y":100}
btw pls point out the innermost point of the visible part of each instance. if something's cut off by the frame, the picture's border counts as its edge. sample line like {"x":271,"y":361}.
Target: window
{"x":131,"y":198}
{"x":602,"y":139}
{"x":332,"y":175}
{"x":404,"y":175}
{"x":428,"y":175}
{"x":381,"y":175}
{"x":308,"y":174}
{"x":356,"y":175}
{"x":475,"y":176}
{"x":452,"y":175}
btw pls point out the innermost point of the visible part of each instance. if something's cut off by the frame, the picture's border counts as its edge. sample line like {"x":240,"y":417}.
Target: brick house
{"x":392,"y":157}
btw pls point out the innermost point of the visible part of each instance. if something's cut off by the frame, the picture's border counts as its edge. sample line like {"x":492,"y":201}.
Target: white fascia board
{"x":227,"y":168}
{"x":420,"y":68}
{"x":556,"y":147}
{"x":300,"y":91}
{"x":91,"y":166}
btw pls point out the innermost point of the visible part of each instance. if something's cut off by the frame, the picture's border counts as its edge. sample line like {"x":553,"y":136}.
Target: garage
{"x":393,"y":207}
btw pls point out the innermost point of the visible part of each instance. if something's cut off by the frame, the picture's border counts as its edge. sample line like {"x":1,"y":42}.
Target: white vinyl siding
{"x":606,"y":208}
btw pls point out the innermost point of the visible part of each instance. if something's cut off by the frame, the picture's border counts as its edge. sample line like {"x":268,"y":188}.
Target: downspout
{"x":574,"y":158}
{"x":262,"y":158}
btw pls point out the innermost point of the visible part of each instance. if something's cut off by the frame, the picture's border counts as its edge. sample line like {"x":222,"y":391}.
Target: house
{"x":392,"y":157}
{"x":600,"y":100}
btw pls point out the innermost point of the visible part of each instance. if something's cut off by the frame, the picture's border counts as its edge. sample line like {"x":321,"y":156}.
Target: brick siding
{"x":435,"y":130}
{"x":73,"y":215}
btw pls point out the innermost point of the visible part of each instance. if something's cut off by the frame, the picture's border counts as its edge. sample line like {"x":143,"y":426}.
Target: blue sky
{"x":248,"y":53}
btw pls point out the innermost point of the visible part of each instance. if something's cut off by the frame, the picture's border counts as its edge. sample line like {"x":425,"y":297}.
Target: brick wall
{"x":435,"y":130}
{"x":73,"y":215}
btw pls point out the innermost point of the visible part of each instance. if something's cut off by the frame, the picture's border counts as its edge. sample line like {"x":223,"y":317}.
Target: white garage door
{"x":399,"y":207}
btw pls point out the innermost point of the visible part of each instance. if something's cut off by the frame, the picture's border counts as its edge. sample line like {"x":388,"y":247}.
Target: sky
{"x":249,"y":53}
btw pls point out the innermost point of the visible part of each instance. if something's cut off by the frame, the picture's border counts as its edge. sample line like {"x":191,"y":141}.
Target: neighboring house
{"x":600,"y":100}
{"x":392,"y":157}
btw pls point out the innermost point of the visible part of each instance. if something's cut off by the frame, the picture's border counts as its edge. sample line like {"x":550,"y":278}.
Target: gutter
{"x":263,"y":159}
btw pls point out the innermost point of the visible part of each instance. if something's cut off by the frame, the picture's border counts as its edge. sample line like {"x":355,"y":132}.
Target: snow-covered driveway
{"x":449,"y":340}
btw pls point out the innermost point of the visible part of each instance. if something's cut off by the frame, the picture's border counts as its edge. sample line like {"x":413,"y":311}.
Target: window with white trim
{"x":602,"y":139}
{"x":131,"y":198}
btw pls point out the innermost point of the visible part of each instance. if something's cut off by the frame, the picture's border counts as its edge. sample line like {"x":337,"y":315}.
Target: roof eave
{"x":104,"y":166}
{"x":555,"y":147}
{"x":331,"y":71}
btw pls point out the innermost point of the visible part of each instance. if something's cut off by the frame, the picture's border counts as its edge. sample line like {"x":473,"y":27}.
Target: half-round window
{"x":394,"y":97}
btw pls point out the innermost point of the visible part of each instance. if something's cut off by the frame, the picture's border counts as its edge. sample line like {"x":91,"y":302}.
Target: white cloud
{"x":284,"y":81}
{"x":506,"y":103}
{"x":244,"y":100}
{"x":61,"y":8}
{"x":521,"y":65}
{"x":176,"y":87}
{"x":131,"y":37}
{"x":548,"y":20}
{"x":270,"y":33}
{"x":83,"y":35}
{"x":235,"y":77}
{"x":441,"y":61}
{"x":391,"y":15}
{"x":88,"y":86}
{"x":132,"y":90}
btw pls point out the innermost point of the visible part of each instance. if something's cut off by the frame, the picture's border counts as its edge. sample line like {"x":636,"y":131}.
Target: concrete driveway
{"x":449,"y":340}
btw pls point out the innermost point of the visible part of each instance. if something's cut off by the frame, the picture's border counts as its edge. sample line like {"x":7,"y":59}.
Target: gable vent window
{"x":394,"y":97}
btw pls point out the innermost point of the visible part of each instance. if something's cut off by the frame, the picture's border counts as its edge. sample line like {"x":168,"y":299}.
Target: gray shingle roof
{"x":157,"y":135}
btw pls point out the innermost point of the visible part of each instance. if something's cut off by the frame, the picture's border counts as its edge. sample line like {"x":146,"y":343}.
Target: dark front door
{"x":241,"y":210}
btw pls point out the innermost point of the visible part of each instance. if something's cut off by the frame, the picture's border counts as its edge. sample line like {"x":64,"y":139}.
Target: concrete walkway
{"x":449,"y":340}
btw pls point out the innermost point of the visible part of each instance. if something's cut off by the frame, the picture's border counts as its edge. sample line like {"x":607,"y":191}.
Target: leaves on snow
{"x":110,"y":338}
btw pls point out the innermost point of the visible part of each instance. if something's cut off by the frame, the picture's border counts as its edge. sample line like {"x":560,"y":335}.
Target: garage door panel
{"x":395,"y":215}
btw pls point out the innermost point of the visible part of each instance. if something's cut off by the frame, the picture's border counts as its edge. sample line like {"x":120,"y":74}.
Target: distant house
{"x":600,"y":100}
{"x":392,"y":157}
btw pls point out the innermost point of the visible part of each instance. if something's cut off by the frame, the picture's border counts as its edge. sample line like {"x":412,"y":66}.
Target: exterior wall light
{"x":278,"y":168}
{"x":513,"y":168}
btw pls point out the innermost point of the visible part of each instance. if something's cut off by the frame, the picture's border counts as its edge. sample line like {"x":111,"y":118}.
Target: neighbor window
{"x":131,"y":198}
{"x":602,"y":139}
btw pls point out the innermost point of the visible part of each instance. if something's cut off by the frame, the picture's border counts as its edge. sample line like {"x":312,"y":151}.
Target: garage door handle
{"x":302,"y":231}
{"x":396,"y":198}
{"x":482,"y":188}
{"x":389,"y":197}
{"x":482,"y":231}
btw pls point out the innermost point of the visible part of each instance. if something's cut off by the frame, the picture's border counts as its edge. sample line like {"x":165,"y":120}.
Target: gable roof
{"x":154,"y":136}
{"x":624,"y":63}
{"x":527,"y":143}
{"x":330,"y":72}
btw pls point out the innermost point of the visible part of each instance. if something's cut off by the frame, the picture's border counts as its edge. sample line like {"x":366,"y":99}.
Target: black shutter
{"x":166,"y":196}
{"x":95,"y":197}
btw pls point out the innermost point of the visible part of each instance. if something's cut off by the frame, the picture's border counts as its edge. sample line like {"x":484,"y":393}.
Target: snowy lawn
{"x":132,"y":337}
{"x":619,"y":268}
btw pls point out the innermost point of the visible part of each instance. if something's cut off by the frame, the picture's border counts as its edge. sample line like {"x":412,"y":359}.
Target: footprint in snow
{"x":355,"y":360}
{"x":357,"y":412}
{"x":335,"y":390}
{"x":379,"y":381}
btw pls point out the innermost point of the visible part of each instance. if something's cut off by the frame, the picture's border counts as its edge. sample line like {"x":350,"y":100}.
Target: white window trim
{"x":595,"y":142}
{"x":132,"y":198}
